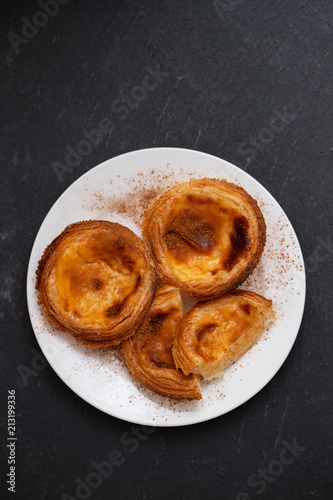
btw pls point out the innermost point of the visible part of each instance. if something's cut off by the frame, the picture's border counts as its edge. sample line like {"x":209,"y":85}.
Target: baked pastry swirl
{"x":148,"y":352}
{"x":216,"y":333}
{"x":94,"y":282}
{"x":204,"y":236}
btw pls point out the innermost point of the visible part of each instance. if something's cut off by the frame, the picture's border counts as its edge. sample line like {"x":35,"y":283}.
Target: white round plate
{"x":119,"y":190}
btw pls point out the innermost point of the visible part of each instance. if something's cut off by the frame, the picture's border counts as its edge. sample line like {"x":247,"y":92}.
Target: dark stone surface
{"x":228,"y":69}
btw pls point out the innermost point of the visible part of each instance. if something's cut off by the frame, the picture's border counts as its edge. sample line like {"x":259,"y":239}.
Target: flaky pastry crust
{"x":204,"y":236}
{"x":148,"y":352}
{"x":214,"y":334}
{"x":94,"y":281}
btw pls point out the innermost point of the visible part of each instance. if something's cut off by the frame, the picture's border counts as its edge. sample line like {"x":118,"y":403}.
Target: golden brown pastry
{"x":148,"y":352}
{"x":216,"y":333}
{"x":94,"y":282}
{"x":204,"y":236}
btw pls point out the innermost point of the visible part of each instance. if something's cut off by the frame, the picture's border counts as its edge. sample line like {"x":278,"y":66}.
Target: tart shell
{"x":205,"y":236}
{"x":214,"y":334}
{"x":94,"y":281}
{"x":148,"y":352}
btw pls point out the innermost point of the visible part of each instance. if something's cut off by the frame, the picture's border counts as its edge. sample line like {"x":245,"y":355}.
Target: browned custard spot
{"x":156,"y":339}
{"x":246,"y":307}
{"x":119,"y":243}
{"x":96,"y":284}
{"x":128,"y":263}
{"x":240,"y":241}
{"x":115,"y":309}
{"x":203,"y":343}
{"x":199,"y":200}
{"x":193,"y":229}
{"x":138,"y":282}
{"x":161,"y":348}
{"x":206,"y":329}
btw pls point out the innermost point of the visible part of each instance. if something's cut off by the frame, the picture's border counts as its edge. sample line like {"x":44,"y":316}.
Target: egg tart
{"x":94,"y":281}
{"x":215,"y":333}
{"x":148,"y":352}
{"x":204,"y":236}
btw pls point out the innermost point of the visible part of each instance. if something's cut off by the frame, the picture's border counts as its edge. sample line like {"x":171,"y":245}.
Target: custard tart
{"x":148,"y":352}
{"x":94,"y":281}
{"x":215,"y":333}
{"x":204,"y":236}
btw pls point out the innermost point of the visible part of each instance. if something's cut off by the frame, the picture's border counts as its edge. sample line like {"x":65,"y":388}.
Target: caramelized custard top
{"x":157,"y":340}
{"x":220,"y":328}
{"x":201,"y":232}
{"x":94,"y":277}
{"x":154,"y":338}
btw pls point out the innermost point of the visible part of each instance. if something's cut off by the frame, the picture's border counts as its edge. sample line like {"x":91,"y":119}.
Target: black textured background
{"x":228,"y":67}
